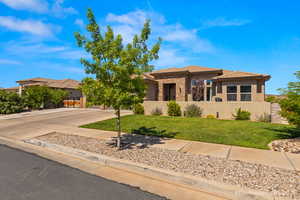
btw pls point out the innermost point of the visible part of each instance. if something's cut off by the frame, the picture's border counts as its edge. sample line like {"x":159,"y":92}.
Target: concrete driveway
{"x":23,"y":125}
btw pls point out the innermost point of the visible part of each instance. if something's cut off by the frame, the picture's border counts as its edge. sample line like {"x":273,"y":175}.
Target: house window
{"x":219,"y":87}
{"x":245,"y":92}
{"x":259,"y":86}
{"x":231,"y":93}
{"x":208,"y":82}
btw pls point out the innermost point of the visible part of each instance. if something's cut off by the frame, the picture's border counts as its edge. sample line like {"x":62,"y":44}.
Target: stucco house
{"x":195,"y":83}
{"x":66,"y":84}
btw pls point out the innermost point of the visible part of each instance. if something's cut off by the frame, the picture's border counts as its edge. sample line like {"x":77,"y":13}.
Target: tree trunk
{"x":119,"y":129}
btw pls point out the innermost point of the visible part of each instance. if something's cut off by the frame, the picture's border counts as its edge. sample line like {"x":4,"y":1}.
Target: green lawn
{"x":239,"y":133}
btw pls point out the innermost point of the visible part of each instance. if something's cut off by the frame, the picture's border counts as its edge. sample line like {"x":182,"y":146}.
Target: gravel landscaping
{"x":281,"y":182}
{"x":286,"y":145}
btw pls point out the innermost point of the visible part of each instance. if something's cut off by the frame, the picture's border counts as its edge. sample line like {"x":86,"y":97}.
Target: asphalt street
{"x":25,"y":176}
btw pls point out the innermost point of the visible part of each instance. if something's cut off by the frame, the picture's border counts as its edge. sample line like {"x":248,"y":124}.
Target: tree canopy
{"x":290,"y":105}
{"x":117,"y":68}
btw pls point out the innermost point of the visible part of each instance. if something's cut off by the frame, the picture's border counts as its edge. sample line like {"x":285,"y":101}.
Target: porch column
{"x":160,"y":91}
{"x":20,"y":90}
{"x":205,"y":92}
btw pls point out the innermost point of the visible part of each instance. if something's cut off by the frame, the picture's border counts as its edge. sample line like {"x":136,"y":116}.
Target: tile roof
{"x":225,"y":73}
{"x":65,"y":83}
{"x":10,"y":89}
{"x":238,"y":74}
{"x":148,"y":76}
{"x":186,"y":69}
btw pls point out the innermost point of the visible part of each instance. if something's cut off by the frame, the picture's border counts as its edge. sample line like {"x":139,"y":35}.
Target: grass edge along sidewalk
{"x":229,"y":132}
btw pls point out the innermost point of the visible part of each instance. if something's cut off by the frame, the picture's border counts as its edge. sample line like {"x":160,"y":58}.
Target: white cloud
{"x":170,"y":58}
{"x":34,"y":27}
{"x":187,"y":38}
{"x":33,"y":49}
{"x":79,"y":22}
{"x":59,"y":11}
{"x":222,"y":22}
{"x":41,"y":50}
{"x":134,"y":18}
{"x":72,"y":54}
{"x":178,"y":33}
{"x":9,"y":62}
{"x":131,"y":23}
{"x":39,"y":6}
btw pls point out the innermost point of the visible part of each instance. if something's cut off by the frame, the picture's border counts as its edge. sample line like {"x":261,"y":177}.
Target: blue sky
{"x":36,"y":36}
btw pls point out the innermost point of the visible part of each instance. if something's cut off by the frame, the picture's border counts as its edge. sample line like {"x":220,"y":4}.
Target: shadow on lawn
{"x":152,"y":131}
{"x":286,"y":132}
{"x":144,"y":137}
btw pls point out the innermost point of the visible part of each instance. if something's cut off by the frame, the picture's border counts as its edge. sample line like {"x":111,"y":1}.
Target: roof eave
{"x":174,"y":72}
{"x":265,"y":77}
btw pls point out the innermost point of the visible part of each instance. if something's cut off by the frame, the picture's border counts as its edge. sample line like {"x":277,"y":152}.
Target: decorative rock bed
{"x":280,"y":182}
{"x":286,"y":145}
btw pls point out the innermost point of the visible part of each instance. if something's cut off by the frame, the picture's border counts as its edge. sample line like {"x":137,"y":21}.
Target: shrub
{"x":271,"y":99}
{"x":242,"y":115}
{"x":290,"y":108}
{"x":138,"y":109}
{"x":290,"y":105}
{"x":36,"y":97}
{"x":210,"y":117}
{"x":10,"y":102}
{"x":57,"y":97}
{"x":156,"y":111}
{"x":174,"y":109}
{"x":193,"y":111}
{"x":265,"y":118}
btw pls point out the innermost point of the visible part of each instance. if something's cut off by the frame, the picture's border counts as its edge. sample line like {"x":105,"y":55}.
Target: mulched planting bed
{"x":280,"y":182}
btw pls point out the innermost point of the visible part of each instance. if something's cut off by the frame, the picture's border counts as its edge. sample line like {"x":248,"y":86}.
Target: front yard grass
{"x":239,"y":133}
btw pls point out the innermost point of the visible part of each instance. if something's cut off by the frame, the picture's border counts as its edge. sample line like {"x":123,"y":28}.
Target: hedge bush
{"x":265,"y":118}
{"x":211,"y":117}
{"x":174,"y":109}
{"x":37,"y":97}
{"x":57,"y":96}
{"x":138,"y":109}
{"x":242,"y":115}
{"x":156,"y":111}
{"x":193,"y":111}
{"x":10,"y":102}
{"x":290,"y":108}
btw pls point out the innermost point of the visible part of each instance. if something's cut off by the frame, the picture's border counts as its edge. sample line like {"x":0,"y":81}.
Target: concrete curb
{"x":220,"y":189}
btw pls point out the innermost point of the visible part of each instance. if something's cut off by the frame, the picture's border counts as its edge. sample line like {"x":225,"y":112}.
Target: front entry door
{"x":170,"y":92}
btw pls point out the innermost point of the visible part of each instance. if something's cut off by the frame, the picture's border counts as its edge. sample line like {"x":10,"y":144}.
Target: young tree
{"x":57,"y":96}
{"x":35,"y":97}
{"x":290,"y":106}
{"x":117,"y":68}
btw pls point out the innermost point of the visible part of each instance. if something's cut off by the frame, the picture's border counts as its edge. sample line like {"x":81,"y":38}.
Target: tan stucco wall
{"x":256,"y":97}
{"x":183,"y":86}
{"x":179,"y":80}
{"x":151,"y":91}
{"x":225,"y":109}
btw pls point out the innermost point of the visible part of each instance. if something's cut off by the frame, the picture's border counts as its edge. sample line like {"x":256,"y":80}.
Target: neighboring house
{"x":66,"y":84}
{"x":195,"y":83}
